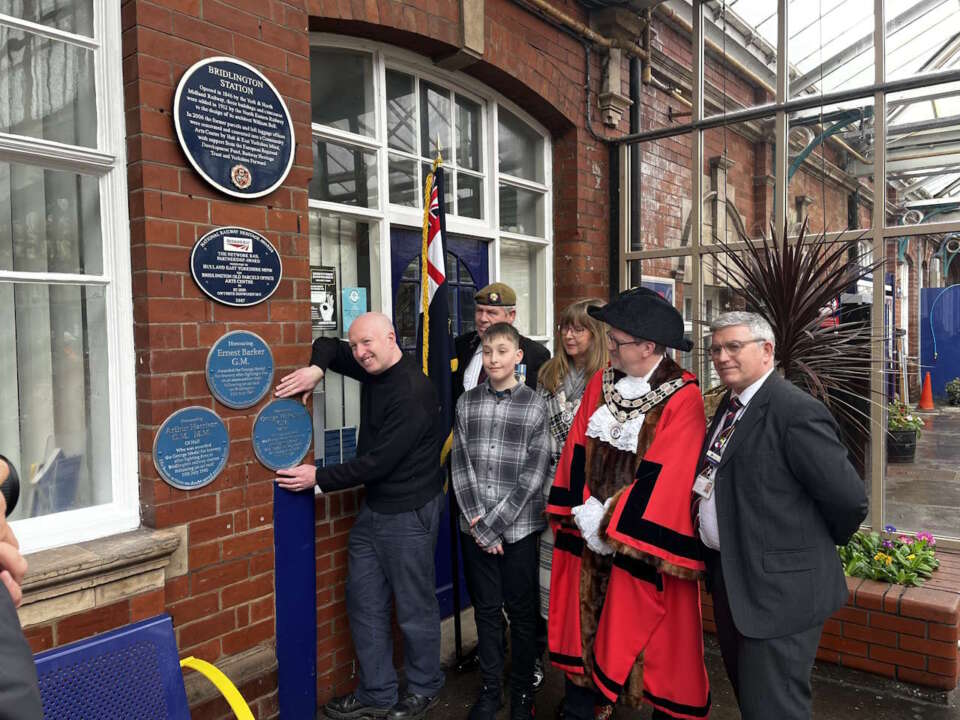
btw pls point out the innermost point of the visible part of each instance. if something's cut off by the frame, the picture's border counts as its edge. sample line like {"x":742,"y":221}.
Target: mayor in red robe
{"x":624,"y":621}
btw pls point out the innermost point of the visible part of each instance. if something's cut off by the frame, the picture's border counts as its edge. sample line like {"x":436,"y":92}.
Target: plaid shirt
{"x":501,"y":453}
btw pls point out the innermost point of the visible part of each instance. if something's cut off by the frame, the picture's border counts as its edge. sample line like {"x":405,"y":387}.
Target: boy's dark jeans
{"x":510,"y":581}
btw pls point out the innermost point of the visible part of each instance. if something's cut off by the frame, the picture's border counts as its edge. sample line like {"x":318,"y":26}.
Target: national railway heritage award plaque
{"x":234,"y":127}
{"x":240,"y":369}
{"x":236,"y":266}
{"x":191,"y":448}
{"x":282,"y":433}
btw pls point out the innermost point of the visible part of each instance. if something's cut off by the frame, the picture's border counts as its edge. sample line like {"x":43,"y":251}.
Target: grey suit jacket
{"x":787,"y":495}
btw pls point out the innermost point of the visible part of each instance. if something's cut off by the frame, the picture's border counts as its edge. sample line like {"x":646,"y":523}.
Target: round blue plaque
{"x":236,"y":266}
{"x":282,"y":434}
{"x":191,"y":448}
{"x":240,"y":369}
{"x":234,"y":127}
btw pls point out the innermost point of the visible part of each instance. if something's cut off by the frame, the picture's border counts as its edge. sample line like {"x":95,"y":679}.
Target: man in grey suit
{"x":774,"y":495}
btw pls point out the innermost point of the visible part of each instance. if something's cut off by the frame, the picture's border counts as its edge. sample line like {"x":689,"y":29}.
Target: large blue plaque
{"x":234,"y":127}
{"x":282,"y":433}
{"x":236,"y":266}
{"x":240,"y":369}
{"x":191,"y":448}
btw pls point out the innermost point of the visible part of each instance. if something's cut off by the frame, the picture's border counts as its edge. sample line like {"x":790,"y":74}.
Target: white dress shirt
{"x":709,"y":527}
{"x":472,"y":374}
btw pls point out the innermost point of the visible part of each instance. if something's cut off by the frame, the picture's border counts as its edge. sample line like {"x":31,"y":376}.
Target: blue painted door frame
{"x":467,"y":270}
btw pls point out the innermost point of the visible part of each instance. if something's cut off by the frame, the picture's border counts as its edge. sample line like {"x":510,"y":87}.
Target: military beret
{"x":497,"y":294}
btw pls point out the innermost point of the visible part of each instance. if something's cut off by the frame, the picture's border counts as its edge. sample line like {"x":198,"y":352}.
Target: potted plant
{"x":953,"y":391}
{"x":903,"y":428}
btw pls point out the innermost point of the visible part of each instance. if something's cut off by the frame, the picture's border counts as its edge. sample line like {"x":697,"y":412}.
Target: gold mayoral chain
{"x":624,"y":410}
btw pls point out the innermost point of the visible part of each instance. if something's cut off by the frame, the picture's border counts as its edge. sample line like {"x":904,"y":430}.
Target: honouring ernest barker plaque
{"x":234,"y":127}
{"x":282,"y":434}
{"x":240,"y":369}
{"x":191,"y":448}
{"x":236,"y":266}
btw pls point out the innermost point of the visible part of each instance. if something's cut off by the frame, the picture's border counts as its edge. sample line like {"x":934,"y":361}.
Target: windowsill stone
{"x":68,"y":580}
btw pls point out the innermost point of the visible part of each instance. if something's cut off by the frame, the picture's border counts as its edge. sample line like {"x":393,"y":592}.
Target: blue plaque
{"x":191,"y":448}
{"x":282,"y":433}
{"x":236,"y":266}
{"x":234,"y":127}
{"x":240,"y":369}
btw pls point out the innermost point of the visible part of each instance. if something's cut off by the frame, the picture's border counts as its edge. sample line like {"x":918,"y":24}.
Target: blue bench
{"x":132,"y":673}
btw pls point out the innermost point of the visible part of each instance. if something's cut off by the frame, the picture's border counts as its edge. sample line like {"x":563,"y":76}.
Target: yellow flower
{"x":889,"y":560}
{"x":879,"y":557}
{"x":911,"y":556}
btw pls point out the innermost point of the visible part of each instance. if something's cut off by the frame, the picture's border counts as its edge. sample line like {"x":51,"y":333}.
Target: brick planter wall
{"x":907,"y":634}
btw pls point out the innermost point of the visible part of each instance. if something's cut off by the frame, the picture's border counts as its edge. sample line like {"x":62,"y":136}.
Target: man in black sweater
{"x":392,"y":543}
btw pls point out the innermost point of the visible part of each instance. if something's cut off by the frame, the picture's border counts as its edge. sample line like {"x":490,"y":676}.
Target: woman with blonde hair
{"x":580,"y":351}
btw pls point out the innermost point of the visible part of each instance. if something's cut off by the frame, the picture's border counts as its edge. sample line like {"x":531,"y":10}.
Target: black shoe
{"x":412,"y":707}
{"x":521,"y":706}
{"x":487,"y":705}
{"x":538,"y":675}
{"x":349,"y":707}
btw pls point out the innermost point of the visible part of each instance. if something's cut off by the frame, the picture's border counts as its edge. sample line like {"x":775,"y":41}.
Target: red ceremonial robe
{"x":631,"y":623}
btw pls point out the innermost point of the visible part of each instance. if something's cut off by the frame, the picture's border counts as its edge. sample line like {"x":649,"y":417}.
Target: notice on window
{"x":323,"y":297}
{"x":354,"y":305}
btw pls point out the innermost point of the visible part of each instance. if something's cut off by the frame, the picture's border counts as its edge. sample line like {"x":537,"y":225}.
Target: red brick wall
{"x":224,"y":604}
{"x":909,"y":634}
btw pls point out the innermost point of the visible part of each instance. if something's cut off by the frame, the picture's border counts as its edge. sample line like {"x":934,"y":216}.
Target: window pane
{"x":469,"y":195}
{"x":47,"y":89}
{"x":54,"y":391}
{"x":666,"y":277}
{"x":74,"y":16}
{"x":521,"y":211}
{"x":923,"y":155}
{"x":831,"y":45}
{"x":740,"y":64}
{"x":738,"y":186}
{"x":665,"y":192}
{"x":520,"y":148}
{"x":404,"y":185}
{"x":425,"y":169}
{"x":920,"y":37}
{"x":49,"y":221}
{"x":401,"y":112}
{"x":352,"y":248}
{"x":523,"y":266}
{"x":344,"y":174}
{"x":434,"y":121}
{"x":468,"y":134}
{"x":341,"y":89}
{"x":920,"y":488}
{"x":830,"y":168}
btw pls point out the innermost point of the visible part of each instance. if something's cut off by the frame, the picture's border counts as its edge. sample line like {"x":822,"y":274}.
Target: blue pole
{"x":295,"y":600}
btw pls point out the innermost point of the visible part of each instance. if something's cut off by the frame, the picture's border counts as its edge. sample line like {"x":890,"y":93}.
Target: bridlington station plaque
{"x":236,"y":266}
{"x":282,"y":433}
{"x":240,"y":369}
{"x":191,"y":448}
{"x":234,"y":127}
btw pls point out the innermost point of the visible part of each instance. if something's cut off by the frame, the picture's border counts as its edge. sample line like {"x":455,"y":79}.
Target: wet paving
{"x":838,"y":695}
{"x":925,"y":494}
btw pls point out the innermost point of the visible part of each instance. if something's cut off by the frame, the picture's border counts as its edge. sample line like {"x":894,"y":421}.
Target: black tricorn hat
{"x":645,"y":315}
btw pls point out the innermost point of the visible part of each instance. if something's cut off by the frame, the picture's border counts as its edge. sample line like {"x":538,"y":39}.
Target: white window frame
{"x":422,"y":69}
{"x":107,"y":162}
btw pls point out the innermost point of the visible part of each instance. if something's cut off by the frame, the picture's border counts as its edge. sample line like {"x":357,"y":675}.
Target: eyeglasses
{"x":575,"y":329}
{"x":617,"y":344}
{"x":733,"y":347}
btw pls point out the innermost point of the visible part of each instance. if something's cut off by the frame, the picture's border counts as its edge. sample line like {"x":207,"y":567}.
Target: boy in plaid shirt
{"x":501,"y":453}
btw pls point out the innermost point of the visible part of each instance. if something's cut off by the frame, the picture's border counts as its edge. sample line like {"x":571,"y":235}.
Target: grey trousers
{"x":390,"y":557}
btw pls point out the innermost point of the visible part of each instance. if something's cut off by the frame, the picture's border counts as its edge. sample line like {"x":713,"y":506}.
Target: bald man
{"x":392,"y":542}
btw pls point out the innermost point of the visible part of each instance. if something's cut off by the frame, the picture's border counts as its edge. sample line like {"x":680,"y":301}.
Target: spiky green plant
{"x":789,"y":284}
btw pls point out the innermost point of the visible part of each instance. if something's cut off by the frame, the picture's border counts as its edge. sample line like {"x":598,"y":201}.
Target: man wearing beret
{"x":625,"y":618}
{"x":495,"y":303}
